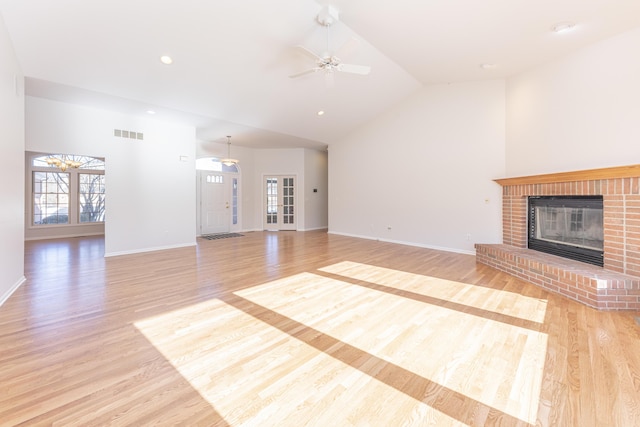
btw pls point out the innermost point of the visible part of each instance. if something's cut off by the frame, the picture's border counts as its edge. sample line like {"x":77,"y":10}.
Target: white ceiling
{"x":232,"y":58}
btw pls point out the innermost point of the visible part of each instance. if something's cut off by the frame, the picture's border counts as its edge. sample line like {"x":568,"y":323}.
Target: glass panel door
{"x":272,"y":203}
{"x":279,"y":205}
{"x":288,"y":201}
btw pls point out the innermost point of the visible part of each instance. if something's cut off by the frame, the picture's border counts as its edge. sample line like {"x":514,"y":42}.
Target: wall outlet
{"x":468,"y":236}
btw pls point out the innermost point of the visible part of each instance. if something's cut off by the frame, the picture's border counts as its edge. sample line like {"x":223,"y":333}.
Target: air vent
{"x":129,"y":134}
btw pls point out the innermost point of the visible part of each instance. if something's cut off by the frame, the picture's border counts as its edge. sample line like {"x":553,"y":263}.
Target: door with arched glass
{"x":219,"y":190}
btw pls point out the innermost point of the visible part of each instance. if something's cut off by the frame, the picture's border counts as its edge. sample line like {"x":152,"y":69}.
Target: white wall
{"x":11,"y":187}
{"x":425,"y":169}
{"x":316,"y":177}
{"x":579,"y":112}
{"x":150,"y":192}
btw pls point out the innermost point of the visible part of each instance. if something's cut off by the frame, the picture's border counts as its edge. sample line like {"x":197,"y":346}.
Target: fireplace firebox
{"x":567,"y":226}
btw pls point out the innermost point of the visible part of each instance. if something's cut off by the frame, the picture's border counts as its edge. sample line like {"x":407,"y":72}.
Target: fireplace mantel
{"x":616,"y":286}
{"x":583,"y":175}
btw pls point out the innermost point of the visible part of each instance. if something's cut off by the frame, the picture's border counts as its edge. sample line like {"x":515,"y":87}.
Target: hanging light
{"x":63,"y":162}
{"x":229,"y":161}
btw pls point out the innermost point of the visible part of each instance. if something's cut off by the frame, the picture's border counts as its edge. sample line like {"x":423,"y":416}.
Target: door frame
{"x":263,"y":210}
{"x":228,"y":180}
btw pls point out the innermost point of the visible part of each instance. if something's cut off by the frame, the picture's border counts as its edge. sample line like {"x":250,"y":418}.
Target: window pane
{"x":229,"y":168}
{"x":208,"y":165}
{"x":79,"y":162}
{"x":50,"y":198}
{"x":91,"y":197}
{"x":234,"y":202}
{"x":214,"y":164}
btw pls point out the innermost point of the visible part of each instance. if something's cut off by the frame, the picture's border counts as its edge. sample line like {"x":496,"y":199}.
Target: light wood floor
{"x":304,"y":329}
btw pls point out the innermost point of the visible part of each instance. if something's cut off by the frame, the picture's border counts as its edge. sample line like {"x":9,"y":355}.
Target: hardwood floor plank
{"x":291,"y":329}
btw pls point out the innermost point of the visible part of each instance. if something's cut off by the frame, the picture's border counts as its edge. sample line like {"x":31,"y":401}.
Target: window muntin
{"x":85,"y":162}
{"x":51,"y":197}
{"x":59,"y":197}
{"x":272,"y":200}
{"x":215,"y":179}
{"x":287,"y":201}
{"x":91,"y":197}
{"x":234,"y":202}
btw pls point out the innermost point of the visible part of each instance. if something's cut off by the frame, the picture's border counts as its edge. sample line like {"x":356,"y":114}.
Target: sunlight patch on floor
{"x":498,"y":301}
{"x":492,"y":362}
{"x":316,"y":349}
{"x":253,"y":374}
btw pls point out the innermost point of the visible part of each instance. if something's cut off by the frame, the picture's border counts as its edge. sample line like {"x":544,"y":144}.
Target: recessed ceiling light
{"x":487,"y":66}
{"x":166,"y":60}
{"x":321,"y":113}
{"x":563,"y":27}
{"x":151,"y":112}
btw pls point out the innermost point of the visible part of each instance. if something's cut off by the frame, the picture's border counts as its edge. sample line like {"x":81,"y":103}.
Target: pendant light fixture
{"x":229,"y":161}
{"x":63,"y":162}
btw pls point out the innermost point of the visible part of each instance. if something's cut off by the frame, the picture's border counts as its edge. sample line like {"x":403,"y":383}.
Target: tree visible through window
{"x":91,"y":197}
{"x":50,"y":198}
{"x":67,"y":189}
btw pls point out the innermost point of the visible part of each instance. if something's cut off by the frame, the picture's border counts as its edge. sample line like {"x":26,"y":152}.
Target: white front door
{"x":215,"y":203}
{"x":279,"y":206}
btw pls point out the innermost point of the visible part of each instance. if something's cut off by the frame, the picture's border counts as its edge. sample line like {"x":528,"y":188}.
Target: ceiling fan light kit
{"x":329,"y":63}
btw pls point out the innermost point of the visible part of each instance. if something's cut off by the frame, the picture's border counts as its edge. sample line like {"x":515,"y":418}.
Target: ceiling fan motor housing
{"x":328,"y":16}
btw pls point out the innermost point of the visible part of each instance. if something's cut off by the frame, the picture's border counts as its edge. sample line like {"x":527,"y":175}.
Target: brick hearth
{"x":616,"y":286}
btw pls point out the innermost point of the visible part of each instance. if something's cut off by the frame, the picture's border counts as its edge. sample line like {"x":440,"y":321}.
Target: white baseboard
{"x":64,"y":236}
{"x":302,"y":229}
{"x":11,"y":290}
{"x":156,"y":248}
{"x":400,"y":242}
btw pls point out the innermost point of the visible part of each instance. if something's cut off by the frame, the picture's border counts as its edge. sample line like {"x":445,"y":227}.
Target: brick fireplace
{"x":616,"y":285}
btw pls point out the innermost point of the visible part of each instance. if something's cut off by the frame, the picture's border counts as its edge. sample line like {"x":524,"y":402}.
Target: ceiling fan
{"x":330,"y":63}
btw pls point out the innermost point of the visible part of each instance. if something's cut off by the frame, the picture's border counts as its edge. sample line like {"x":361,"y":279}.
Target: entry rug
{"x":220,"y":236}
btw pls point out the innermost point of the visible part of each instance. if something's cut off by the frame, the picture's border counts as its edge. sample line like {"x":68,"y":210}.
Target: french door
{"x":279,"y":204}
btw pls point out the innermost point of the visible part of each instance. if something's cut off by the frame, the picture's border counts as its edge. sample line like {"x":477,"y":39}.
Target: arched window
{"x":70,"y":160}
{"x":67,"y":189}
{"x":214,"y":164}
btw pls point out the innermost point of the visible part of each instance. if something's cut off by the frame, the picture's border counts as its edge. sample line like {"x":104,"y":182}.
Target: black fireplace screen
{"x":568,"y":226}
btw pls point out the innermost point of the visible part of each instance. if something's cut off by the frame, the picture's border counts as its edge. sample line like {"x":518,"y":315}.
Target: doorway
{"x":218,"y":192}
{"x":279,"y":202}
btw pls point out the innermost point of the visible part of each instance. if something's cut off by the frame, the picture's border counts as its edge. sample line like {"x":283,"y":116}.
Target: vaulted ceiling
{"x":232,"y":58}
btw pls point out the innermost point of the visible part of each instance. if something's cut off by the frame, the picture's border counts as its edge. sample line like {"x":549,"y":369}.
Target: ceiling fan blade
{"x":354,"y":69}
{"x":308,"y":53}
{"x":302,"y":73}
{"x":347,"y":49}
